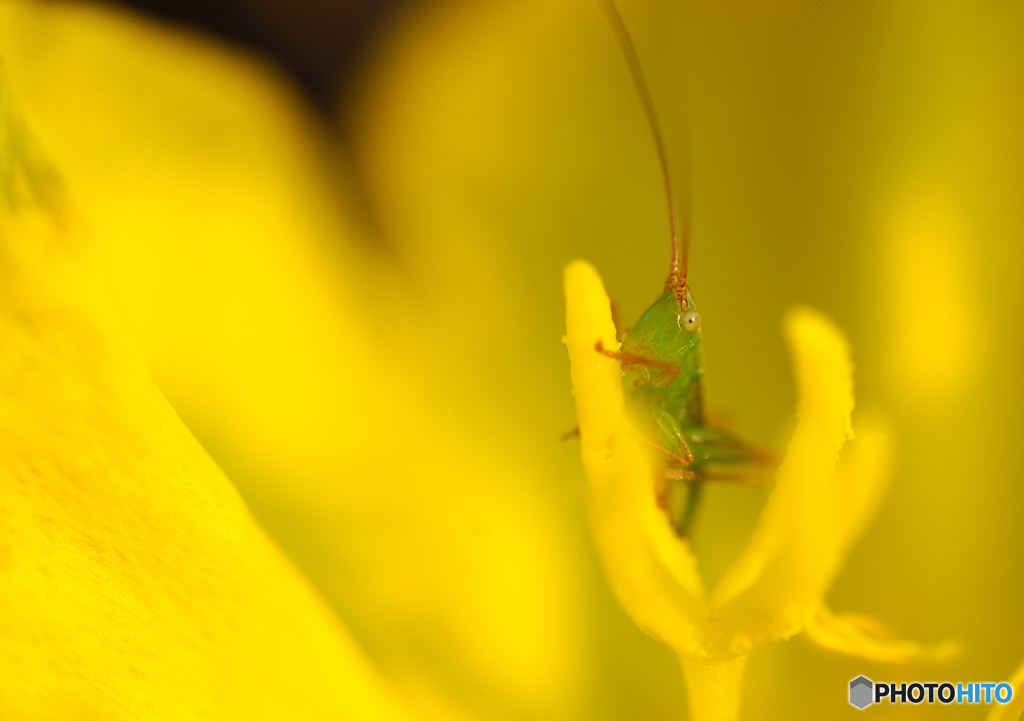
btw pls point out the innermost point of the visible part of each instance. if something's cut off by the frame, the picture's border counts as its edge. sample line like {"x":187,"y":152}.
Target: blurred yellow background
{"x":865,"y":159}
{"x":368,"y":341}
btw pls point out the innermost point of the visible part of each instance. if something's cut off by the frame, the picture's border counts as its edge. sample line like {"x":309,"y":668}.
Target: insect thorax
{"x":676,"y":384}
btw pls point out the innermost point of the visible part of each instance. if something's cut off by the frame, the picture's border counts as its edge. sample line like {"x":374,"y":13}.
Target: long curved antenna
{"x":677,"y":268}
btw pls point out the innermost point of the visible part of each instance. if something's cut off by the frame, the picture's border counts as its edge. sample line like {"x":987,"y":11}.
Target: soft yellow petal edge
{"x":651,"y":571}
{"x":596,"y":379}
{"x":860,"y":481}
{"x":133,"y":581}
{"x":215,"y":201}
{"x":856,"y":635}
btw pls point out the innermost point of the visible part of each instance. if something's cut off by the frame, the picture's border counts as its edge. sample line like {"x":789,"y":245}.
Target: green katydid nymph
{"x":663,"y":350}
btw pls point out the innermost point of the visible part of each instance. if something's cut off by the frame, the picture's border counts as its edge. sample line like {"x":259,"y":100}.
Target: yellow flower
{"x":389,"y":411}
{"x":775,"y":587}
{"x":831,"y":166}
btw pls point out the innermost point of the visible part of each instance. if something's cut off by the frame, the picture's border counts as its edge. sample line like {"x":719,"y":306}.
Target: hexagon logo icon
{"x":861,"y":692}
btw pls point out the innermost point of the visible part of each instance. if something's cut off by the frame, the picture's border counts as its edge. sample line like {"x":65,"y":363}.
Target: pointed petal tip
{"x":824,"y":367}
{"x":596,"y":379}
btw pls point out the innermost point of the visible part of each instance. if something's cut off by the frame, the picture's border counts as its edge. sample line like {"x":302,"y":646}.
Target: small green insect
{"x":664,"y":349}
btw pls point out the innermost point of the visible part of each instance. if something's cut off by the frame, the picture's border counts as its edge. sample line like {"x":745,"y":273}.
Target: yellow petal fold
{"x":133,"y":581}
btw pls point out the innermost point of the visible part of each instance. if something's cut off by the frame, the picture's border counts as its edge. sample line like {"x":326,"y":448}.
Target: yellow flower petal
{"x":651,"y":570}
{"x":859,"y":483}
{"x":856,"y":635}
{"x":133,"y":581}
{"x":308,"y":367}
{"x":782,"y":573}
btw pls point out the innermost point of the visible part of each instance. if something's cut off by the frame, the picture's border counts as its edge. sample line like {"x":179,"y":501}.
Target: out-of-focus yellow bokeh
{"x":864,"y":159}
{"x":387,"y":387}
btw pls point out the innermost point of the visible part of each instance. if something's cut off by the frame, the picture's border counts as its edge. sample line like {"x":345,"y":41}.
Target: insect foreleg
{"x":631,"y":361}
{"x":717,"y":446}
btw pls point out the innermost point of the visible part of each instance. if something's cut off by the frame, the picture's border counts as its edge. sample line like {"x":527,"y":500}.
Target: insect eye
{"x":690,"y":321}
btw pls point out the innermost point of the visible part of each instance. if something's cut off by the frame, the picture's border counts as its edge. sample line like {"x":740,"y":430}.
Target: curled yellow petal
{"x":825,"y":386}
{"x":868,"y":638}
{"x":781,"y":574}
{"x":652,"y":571}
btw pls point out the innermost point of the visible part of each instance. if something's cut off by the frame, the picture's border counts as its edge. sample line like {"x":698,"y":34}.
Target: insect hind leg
{"x":680,"y":489}
{"x":679,"y":495}
{"x":683,"y":524}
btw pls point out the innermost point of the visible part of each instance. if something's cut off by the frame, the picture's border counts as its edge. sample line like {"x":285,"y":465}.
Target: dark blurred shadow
{"x":319,"y":42}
